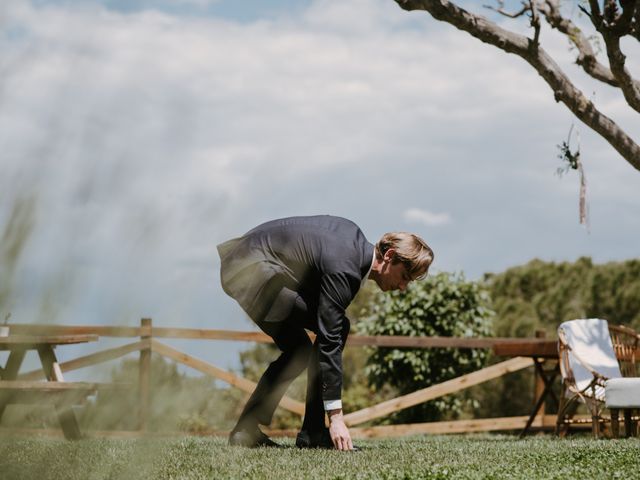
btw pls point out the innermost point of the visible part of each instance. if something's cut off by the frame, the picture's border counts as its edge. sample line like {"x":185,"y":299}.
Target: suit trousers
{"x":297,"y":353}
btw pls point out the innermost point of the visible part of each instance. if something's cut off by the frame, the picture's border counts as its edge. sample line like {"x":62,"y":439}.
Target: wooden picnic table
{"x":542,"y":351}
{"x":55,"y":390}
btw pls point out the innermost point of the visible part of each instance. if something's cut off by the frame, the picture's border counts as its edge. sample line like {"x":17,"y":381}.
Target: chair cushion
{"x":622,"y":393}
{"x":591,"y":341}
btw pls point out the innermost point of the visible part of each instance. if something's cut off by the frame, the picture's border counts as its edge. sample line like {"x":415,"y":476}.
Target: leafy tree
{"x":540,"y":295}
{"x":442,"y":305}
{"x":608,"y":23}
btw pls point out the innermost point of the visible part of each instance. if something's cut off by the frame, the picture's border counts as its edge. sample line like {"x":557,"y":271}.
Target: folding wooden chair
{"x":592,"y":374}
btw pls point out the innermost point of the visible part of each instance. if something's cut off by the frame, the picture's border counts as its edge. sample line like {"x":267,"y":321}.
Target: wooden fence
{"x":148,"y":341}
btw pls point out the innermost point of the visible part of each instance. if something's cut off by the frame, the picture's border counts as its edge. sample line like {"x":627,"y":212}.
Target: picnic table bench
{"x":55,"y":390}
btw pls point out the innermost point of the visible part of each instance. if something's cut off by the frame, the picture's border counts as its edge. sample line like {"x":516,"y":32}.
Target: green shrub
{"x":442,"y":305}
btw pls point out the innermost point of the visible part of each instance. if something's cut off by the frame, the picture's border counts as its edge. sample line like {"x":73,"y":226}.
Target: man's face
{"x":394,"y":276}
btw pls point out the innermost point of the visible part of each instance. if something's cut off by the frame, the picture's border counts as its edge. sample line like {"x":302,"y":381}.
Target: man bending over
{"x":301,"y":273}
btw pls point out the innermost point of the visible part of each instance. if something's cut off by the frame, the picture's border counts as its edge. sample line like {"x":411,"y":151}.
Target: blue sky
{"x":147,"y":132}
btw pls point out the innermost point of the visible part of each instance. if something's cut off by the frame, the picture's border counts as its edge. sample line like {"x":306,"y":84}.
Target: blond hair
{"x":410,"y":249}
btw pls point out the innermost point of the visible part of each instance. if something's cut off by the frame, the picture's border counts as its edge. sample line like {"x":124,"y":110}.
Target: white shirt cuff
{"x":332,"y":405}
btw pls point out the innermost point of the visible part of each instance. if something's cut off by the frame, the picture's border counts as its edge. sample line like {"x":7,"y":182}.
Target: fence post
{"x":144,"y":377}
{"x":538,"y":381}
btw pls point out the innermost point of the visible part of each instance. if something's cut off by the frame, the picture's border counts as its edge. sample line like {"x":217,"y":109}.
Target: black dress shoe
{"x":321,"y":439}
{"x":251,"y":438}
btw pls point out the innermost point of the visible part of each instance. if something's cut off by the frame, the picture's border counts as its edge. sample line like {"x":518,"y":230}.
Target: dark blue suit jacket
{"x":322,"y":259}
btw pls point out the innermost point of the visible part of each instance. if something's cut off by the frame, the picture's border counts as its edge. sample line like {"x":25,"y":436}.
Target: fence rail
{"x":260,"y":337}
{"x":148,"y":343}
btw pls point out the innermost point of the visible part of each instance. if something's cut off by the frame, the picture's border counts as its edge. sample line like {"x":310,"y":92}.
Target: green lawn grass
{"x":426,"y":457}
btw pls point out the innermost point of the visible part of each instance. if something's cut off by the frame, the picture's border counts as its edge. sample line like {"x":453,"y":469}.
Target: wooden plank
{"x":160,"y":332}
{"x":353,"y":340}
{"x":260,"y":337}
{"x":538,"y":383}
{"x":456,"y":426}
{"x":57,"y":393}
{"x":539,"y":392}
{"x":420,"y":342}
{"x":438,"y":390}
{"x":50,"y":365}
{"x":92,"y":359}
{"x":62,"y":399}
{"x":51,"y":433}
{"x":202,"y":334}
{"x":66,"y":416}
{"x":14,"y":362}
{"x":17,"y":385}
{"x":436,"y":428}
{"x":228,"y":377}
{"x":144,"y":377}
{"x":48,"y":329}
{"x":542,"y":349}
{"x":10,"y":342}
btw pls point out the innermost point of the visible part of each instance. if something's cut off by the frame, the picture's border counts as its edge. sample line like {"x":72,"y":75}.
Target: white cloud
{"x":294,"y":97}
{"x":425,"y":217}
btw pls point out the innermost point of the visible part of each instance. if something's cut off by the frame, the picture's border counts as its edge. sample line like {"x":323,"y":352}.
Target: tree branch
{"x":629,"y":9}
{"x":564,"y":90}
{"x":629,"y":86}
{"x":535,"y":22}
{"x":500,"y":9}
{"x":586,"y":56}
{"x":613,"y":26}
{"x":595,"y":15}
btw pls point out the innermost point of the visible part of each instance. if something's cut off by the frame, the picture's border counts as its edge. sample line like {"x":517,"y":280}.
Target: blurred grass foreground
{"x":426,"y":457}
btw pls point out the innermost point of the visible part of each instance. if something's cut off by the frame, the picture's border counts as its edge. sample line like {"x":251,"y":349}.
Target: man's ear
{"x":389,"y":255}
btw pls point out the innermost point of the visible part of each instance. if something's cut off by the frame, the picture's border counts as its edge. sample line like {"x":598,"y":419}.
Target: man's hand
{"x":339,"y":431}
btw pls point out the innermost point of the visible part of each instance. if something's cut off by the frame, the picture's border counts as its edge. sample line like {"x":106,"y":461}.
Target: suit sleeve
{"x":336,"y":292}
